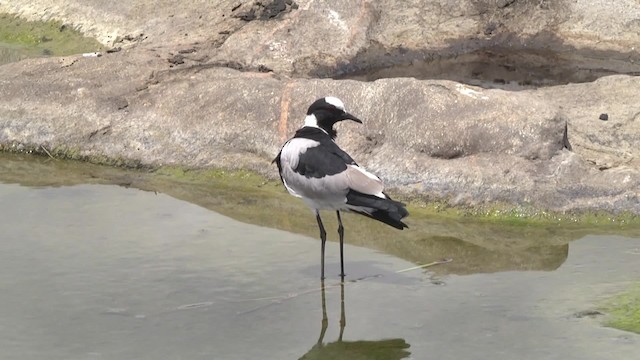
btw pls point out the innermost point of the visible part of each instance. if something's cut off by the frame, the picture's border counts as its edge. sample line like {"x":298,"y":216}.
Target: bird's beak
{"x":347,"y":116}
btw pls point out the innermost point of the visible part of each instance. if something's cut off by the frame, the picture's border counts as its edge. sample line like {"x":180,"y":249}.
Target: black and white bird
{"x":314,"y":168}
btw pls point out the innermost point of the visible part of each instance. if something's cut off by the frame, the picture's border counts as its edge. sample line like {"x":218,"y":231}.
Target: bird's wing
{"x":351,"y":176}
{"x":362,"y":181}
{"x":320,"y":169}
{"x":356,"y":177}
{"x":335,"y":150}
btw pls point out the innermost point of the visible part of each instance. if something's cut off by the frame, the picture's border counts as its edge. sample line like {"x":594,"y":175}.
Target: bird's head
{"x":327,"y":111}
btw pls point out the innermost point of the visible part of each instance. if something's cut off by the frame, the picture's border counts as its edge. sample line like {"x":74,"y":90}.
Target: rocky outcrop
{"x":530,"y":42}
{"x":603,"y":119}
{"x":223,"y":84}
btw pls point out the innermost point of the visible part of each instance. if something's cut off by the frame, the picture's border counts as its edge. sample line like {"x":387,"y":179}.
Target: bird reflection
{"x":389,"y":349}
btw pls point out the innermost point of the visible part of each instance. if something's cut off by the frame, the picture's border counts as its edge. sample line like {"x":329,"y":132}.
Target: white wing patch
{"x":363,"y":181}
{"x":292,"y":149}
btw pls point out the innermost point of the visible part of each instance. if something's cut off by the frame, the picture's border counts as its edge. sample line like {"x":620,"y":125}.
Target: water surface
{"x":93,"y":270}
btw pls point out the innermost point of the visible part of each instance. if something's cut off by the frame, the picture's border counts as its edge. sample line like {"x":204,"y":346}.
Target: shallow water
{"x":90,"y":270}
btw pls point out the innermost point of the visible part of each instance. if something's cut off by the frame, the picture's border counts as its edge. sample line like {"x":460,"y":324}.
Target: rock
{"x":263,"y":10}
{"x":606,"y":144}
{"x":132,"y":22}
{"x":433,"y":139}
{"x":524,"y":42}
{"x":223,"y":84}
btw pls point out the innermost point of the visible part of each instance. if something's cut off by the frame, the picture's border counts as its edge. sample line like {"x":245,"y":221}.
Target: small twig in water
{"x":47,"y":151}
{"x":195,"y":306}
{"x":440,"y":262}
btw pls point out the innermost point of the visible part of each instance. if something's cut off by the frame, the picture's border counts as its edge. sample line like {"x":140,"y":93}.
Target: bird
{"x":314,"y":168}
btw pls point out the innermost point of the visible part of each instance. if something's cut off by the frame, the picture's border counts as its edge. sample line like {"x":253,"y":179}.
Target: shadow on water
{"x":475,"y":246}
{"x":388,"y":349}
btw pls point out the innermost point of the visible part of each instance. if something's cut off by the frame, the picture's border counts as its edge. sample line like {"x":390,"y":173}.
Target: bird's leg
{"x":343,"y":318}
{"x":323,"y":239}
{"x":341,"y":233}
{"x":325,"y":320}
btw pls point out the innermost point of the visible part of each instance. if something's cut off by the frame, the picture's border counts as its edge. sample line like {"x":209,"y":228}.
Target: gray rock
{"x":531,"y":42}
{"x":606,"y":144}
{"x":434,"y":139}
{"x":171,"y":96}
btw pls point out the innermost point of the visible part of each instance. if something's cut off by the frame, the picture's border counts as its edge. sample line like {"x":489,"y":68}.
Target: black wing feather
{"x":325,"y":159}
{"x":387,"y":210}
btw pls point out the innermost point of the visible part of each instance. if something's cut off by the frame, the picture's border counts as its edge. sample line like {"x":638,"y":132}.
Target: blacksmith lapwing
{"x":314,"y":168}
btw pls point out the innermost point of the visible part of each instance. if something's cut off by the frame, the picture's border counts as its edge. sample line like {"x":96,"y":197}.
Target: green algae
{"x":504,"y":214}
{"x":21,"y":39}
{"x":623,"y":310}
{"x":497,"y":213}
{"x":524,"y":215}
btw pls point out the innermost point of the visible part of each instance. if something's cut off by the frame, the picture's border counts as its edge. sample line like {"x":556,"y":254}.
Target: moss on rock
{"x":39,"y":38}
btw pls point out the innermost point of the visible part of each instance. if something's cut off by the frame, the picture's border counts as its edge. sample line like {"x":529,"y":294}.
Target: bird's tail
{"x":386,"y":210}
